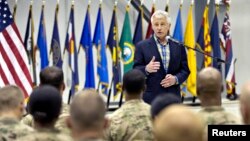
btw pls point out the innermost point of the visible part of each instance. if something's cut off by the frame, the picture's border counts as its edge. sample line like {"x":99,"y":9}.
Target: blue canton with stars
{"x":5,"y":15}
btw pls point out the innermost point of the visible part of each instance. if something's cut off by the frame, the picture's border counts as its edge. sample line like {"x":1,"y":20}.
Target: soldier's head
{"x":11,"y":101}
{"x":172,"y":125}
{"x":87,"y":113}
{"x":161,"y":102}
{"x":209,"y":86}
{"x":45,"y":105}
{"x":52,"y":76}
{"x":133,"y":83}
{"x":244,"y":102}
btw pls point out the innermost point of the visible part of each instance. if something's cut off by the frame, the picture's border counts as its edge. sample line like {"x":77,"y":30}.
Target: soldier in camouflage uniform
{"x":209,"y":88}
{"x":11,"y":111}
{"x":45,"y":106}
{"x":132,"y":121}
{"x":87,"y":116}
{"x":52,"y":76}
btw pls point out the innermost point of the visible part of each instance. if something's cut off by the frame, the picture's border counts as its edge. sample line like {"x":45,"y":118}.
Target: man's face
{"x":160,"y":27}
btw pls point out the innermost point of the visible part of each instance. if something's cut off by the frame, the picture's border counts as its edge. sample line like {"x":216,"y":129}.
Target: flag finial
{"x":89,"y":2}
{"x":154,"y":1}
{"x":129,"y":1}
{"x":73,"y":2}
{"x":142,"y":1}
{"x":116,"y":2}
{"x":192,"y":2}
{"x":43,"y":2}
{"x":58,"y":1}
{"x":167,"y":2}
{"x":208,"y":1}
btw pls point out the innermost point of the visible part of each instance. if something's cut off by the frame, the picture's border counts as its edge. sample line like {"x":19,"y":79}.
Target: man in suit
{"x":163,"y":61}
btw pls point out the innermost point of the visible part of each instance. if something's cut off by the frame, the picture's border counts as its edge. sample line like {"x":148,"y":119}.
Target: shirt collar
{"x":158,"y":42}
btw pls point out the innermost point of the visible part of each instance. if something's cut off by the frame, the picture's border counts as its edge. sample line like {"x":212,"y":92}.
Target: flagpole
{"x":14,"y":10}
{"x":109,"y":93}
{"x":33,"y":50}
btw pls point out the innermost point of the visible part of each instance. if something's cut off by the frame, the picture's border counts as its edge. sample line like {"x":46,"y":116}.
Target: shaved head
{"x":244,"y":102}
{"x":87,"y":110}
{"x":170,"y":125}
{"x":209,"y":83}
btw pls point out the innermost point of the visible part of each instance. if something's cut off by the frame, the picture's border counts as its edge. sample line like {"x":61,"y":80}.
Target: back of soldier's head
{"x":87,"y":110}
{"x":163,"y":101}
{"x":45,"y":104}
{"x":134,"y":82}
{"x":178,"y":123}
{"x":10,"y":98}
{"x":209,"y":83}
{"x":52,"y":76}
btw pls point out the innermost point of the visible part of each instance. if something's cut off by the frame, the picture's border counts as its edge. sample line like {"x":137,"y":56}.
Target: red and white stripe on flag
{"x":13,"y":60}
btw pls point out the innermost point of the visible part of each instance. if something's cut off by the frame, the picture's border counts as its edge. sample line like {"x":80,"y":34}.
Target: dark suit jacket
{"x":178,"y":66}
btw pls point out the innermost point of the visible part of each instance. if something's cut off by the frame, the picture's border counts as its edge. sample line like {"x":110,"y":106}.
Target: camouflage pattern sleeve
{"x":27,"y":120}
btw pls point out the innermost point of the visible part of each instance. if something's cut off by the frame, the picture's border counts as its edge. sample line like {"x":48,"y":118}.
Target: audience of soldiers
{"x":87,"y":119}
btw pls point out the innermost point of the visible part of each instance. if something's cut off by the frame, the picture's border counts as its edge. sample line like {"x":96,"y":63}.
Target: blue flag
{"x":55,"y":44}
{"x":71,"y":48}
{"x":86,"y":43}
{"x":42,"y":42}
{"x":99,"y":42}
{"x":178,"y":33}
{"x":112,"y":43}
{"x":138,"y":35}
{"x":215,"y":42}
{"x":200,"y":45}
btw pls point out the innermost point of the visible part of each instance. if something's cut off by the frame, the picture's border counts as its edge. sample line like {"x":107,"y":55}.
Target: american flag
{"x":227,"y":44}
{"x":13,"y":58}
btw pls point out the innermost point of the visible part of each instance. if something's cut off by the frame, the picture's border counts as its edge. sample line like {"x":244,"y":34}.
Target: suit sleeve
{"x":183,"y":74}
{"x":139,"y":60}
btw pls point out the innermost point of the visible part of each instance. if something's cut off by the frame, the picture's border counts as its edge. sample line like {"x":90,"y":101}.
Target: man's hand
{"x":168,"y":81}
{"x":153,"y":66}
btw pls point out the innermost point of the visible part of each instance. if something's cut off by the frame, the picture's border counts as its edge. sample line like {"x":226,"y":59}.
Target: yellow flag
{"x":189,"y":40}
{"x":207,"y":39}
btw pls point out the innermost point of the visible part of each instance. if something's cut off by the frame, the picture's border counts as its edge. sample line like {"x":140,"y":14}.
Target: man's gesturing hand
{"x":153,"y":66}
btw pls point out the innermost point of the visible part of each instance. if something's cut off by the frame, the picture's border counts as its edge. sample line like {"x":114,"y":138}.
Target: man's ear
{"x":106,"y":122}
{"x":222,"y":88}
{"x":68,"y":122}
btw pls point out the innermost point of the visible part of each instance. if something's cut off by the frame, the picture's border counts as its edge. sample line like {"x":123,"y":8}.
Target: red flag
{"x":13,"y":58}
{"x":150,"y":30}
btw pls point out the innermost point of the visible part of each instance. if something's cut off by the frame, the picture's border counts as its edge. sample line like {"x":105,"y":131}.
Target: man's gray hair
{"x":11,"y":97}
{"x":159,"y":14}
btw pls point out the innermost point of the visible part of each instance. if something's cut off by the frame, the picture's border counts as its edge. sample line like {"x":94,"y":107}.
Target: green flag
{"x":126,"y":44}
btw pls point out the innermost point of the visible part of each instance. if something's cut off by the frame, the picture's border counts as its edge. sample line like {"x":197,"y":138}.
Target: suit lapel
{"x":171,"y":59}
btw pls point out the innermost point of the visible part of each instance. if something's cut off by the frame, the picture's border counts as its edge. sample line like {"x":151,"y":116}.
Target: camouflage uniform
{"x":90,"y":139}
{"x":218,"y":115}
{"x":46,"y":135}
{"x":131,"y":122}
{"x":12,"y":129}
{"x":60,"y":123}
